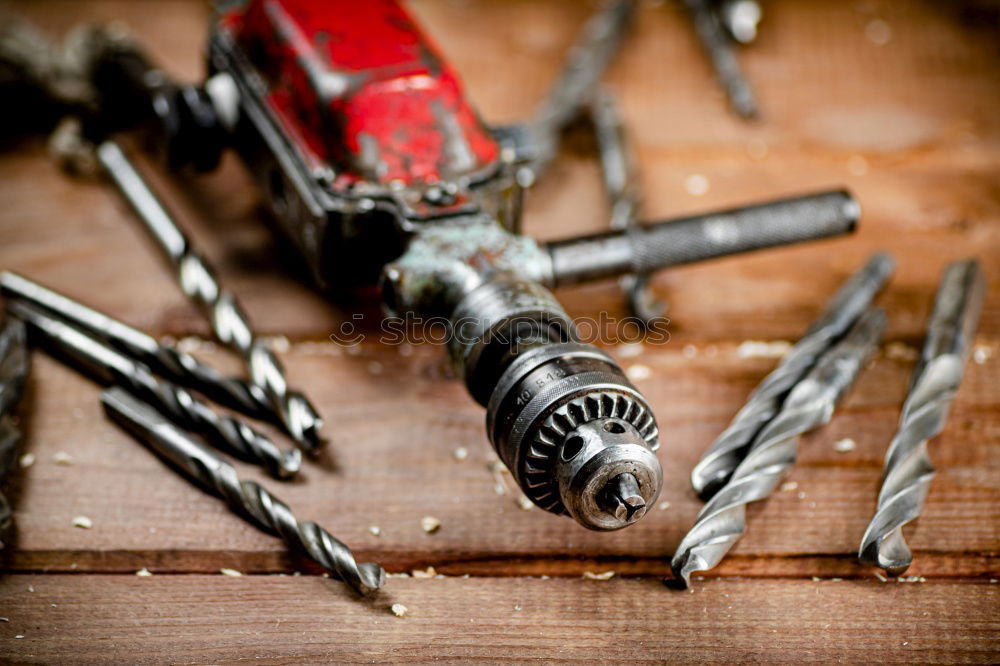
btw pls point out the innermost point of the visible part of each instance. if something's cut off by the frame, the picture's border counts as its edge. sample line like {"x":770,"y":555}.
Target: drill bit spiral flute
{"x":722,"y":521}
{"x":233,"y":392}
{"x":108,"y":366}
{"x":851,"y":300}
{"x":247,"y":498}
{"x":229,"y":322}
{"x":935,"y":380}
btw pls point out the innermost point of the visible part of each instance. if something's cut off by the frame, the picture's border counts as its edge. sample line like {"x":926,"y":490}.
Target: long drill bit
{"x":248,"y":499}
{"x":851,"y":300}
{"x":715,"y":41}
{"x":621,"y":185}
{"x":110,"y":367}
{"x":233,"y":392}
{"x":722,"y":521}
{"x":908,"y":470}
{"x":588,"y":58}
{"x":229,"y":322}
{"x":14,"y":366}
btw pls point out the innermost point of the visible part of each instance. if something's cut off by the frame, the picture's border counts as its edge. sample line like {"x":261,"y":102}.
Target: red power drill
{"x":374,"y":164}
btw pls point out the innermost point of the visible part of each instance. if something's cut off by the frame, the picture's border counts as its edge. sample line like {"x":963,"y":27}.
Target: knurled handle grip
{"x":685,"y":240}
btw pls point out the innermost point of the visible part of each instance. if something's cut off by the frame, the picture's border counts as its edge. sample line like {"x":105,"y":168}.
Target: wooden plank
{"x":217,"y":619}
{"x":929,"y":151}
{"x":396,"y":432}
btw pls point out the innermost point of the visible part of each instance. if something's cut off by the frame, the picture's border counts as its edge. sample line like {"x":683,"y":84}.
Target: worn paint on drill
{"x":361,"y":90}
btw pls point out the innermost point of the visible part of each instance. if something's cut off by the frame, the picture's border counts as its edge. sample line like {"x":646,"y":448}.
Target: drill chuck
{"x":577,"y":436}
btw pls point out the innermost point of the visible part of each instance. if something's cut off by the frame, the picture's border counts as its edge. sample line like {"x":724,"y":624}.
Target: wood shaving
{"x":762,"y":349}
{"x":83,"y":521}
{"x":4,"y":619}
{"x":878,"y":574}
{"x":899,"y":351}
{"x":497,"y":469}
{"x":605,"y":575}
{"x":27,"y":460}
{"x":461,"y":453}
{"x":375,"y":530}
{"x":981,"y":354}
{"x":789,"y":486}
{"x":696,"y":185}
{"x":230,"y":572}
{"x":62,"y":458}
{"x":517,"y":607}
{"x":143,"y":572}
{"x":19,"y":636}
{"x":638,"y":372}
{"x":429,"y":572}
{"x":845,"y":445}
{"x":663,"y":506}
{"x":430,"y":524}
{"x":399,"y":610}
{"x":911,"y":579}
{"x":525,"y":503}
{"x":630,"y":349}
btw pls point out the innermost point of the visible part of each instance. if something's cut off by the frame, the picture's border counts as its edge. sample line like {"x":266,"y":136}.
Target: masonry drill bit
{"x":908,"y":470}
{"x":110,"y":367}
{"x":229,"y":322}
{"x":851,"y":300}
{"x":621,"y":184}
{"x":14,"y":366}
{"x":722,"y":521}
{"x":713,"y":37}
{"x":233,"y":392}
{"x":588,"y":58}
{"x":248,"y":499}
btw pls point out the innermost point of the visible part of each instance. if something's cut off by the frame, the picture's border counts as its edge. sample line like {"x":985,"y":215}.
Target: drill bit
{"x":621,"y":185}
{"x":14,"y":367}
{"x":722,"y":521}
{"x":715,"y":41}
{"x":184,"y":369}
{"x":248,"y":499}
{"x":108,"y":366}
{"x":853,"y":298}
{"x":588,"y":58}
{"x":908,"y":470}
{"x":229,"y":322}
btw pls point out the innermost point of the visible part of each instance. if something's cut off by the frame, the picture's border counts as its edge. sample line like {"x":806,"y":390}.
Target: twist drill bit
{"x":908,"y":470}
{"x":713,"y":37}
{"x":229,"y":323}
{"x":184,"y":369}
{"x":722,"y":521}
{"x":14,"y":367}
{"x":588,"y":58}
{"x":110,"y":367}
{"x":851,"y":300}
{"x":248,"y":499}
{"x":621,"y":185}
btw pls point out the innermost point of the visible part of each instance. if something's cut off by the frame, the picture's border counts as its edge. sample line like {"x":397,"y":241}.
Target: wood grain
{"x":308,"y":619}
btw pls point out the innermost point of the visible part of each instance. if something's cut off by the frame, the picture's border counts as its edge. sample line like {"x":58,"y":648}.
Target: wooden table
{"x":911,"y":126}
